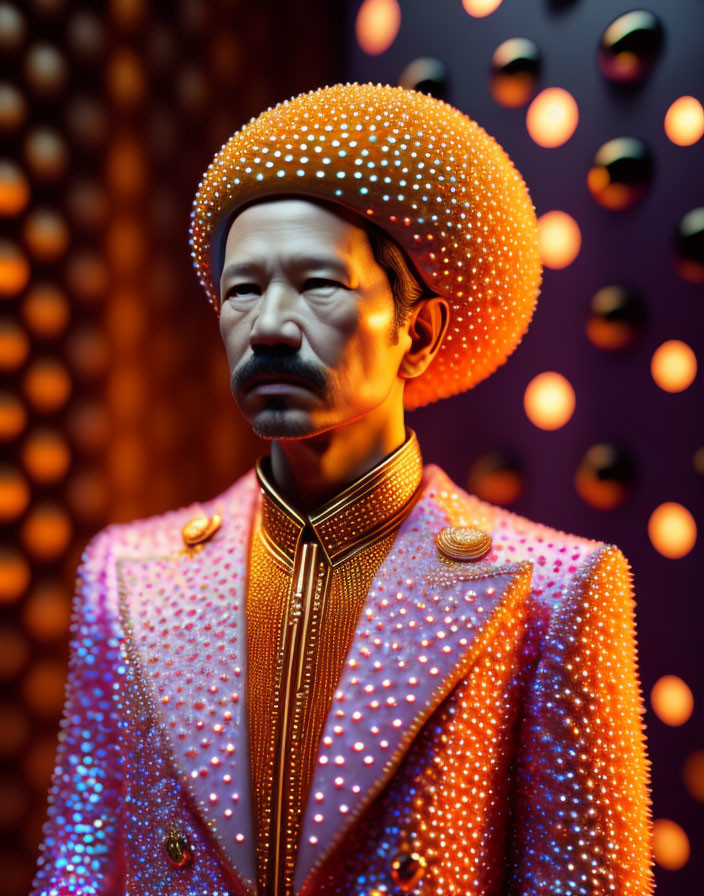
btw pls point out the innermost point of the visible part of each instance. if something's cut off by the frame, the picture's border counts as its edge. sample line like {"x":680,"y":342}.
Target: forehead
{"x":292,"y":225}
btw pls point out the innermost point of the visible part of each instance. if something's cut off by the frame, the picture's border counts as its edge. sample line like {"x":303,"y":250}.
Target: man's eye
{"x":243,"y":289}
{"x":321,"y":283}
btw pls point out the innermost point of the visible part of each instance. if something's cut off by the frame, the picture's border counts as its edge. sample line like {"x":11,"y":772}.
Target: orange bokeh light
{"x":46,"y":310}
{"x":46,"y":234}
{"x":46,"y":456}
{"x":672,"y":530}
{"x":552,"y":117}
{"x":672,"y":700}
{"x":47,"y":384}
{"x":481,"y":8}
{"x":673,"y":366}
{"x":14,"y":345}
{"x":377,"y":25}
{"x":670,"y":844}
{"x":684,"y":121}
{"x":549,"y":400}
{"x":13,"y":416}
{"x":14,"y":574}
{"x":46,"y":531}
{"x":14,"y":189}
{"x":14,"y":494}
{"x":14,"y":269}
{"x":559,"y":239}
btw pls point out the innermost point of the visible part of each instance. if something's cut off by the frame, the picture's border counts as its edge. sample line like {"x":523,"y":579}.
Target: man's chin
{"x":283,"y":423}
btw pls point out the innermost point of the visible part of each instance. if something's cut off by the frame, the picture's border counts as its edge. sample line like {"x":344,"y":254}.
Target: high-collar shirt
{"x":308,"y":579}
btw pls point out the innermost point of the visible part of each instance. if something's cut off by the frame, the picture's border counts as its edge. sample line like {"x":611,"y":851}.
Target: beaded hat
{"x":422,"y":171}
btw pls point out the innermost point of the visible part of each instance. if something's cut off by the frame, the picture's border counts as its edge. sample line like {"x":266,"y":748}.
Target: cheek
{"x":367,"y":360}
{"x":234,"y":335}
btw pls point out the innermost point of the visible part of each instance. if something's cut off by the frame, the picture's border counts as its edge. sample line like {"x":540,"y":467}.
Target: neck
{"x":308,"y":472}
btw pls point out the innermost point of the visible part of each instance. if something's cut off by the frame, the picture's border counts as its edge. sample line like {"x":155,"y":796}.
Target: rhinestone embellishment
{"x":200,"y":529}
{"x":463,"y":542}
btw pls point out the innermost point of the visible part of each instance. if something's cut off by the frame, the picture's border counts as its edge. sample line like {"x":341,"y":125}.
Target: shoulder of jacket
{"x":160,"y":532}
{"x":558,"y":557}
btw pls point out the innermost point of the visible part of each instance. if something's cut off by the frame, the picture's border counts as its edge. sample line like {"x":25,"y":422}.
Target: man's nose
{"x":276,"y":322}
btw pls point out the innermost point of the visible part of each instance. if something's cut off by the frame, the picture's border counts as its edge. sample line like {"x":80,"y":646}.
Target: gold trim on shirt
{"x":309,"y":577}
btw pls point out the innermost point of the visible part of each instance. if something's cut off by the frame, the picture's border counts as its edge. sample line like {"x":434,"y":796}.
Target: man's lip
{"x":277,"y":381}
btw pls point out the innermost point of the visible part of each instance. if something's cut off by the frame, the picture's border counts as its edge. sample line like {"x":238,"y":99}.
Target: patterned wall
{"x":115,"y":401}
{"x":595,"y":425}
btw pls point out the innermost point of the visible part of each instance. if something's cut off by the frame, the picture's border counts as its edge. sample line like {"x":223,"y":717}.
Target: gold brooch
{"x":177,"y":848}
{"x":200,"y":529}
{"x":407,"y":869}
{"x":463,"y":542}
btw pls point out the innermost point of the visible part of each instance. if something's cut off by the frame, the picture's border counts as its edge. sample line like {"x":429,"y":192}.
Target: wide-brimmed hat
{"x":422,"y":171}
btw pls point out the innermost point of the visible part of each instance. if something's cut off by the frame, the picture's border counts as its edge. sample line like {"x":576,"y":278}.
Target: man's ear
{"x":427,"y":327}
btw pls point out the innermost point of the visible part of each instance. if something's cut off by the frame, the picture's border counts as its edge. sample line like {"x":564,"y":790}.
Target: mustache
{"x":271,"y":361}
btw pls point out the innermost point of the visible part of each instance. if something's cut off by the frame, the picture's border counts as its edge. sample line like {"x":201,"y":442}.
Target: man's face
{"x":307,"y":318}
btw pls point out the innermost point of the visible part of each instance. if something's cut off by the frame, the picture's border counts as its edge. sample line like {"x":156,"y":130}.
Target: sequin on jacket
{"x":497,"y":702}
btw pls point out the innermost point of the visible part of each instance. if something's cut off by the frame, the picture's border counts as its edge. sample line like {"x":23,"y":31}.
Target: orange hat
{"x":423,"y":172}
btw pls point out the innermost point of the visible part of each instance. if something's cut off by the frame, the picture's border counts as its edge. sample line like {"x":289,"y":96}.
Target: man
{"x":344,"y":675}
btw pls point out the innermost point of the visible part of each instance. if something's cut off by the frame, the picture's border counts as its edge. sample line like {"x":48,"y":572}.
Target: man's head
{"x":426,"y":175}
{"x":322,"y":319}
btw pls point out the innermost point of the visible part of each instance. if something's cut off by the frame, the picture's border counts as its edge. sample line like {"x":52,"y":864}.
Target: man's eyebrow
{"x":247,"y":268}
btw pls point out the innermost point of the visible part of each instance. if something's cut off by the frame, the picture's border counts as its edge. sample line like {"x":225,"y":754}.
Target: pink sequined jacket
{"x":498,"y":703}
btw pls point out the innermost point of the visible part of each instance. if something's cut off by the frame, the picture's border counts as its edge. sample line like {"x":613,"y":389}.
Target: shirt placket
{"x":309,"y":584}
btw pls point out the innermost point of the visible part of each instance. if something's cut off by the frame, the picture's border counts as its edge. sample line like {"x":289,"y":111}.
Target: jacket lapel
{"x":184,"y":620}
{"x":424,"y":623}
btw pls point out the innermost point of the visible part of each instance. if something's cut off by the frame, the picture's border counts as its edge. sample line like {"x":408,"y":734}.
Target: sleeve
{"x":81,"y":852}
{"x":582,"y":822}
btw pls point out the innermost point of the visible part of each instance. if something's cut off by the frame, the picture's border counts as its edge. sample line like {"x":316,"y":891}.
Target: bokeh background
{"x":115,"y":403}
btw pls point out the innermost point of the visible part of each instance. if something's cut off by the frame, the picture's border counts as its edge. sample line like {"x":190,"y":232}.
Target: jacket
{"x":485,"y":738}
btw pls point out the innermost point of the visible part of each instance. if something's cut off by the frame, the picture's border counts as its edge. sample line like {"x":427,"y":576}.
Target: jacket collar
{"x":361,"y":513}
{"x":424,"y":623}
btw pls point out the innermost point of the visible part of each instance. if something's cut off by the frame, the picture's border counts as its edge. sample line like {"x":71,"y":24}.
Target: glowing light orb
{"x":672,"y":700}
{"x":672,"y":530}
{"x":673,"y":366}
{"x":47,"y":384}
{"x":377,"y":25}
{"x":481,"y":8}
{"x":684,"y":121}
{"x":46,"y":531}
{"x":552,"y":117}
{"x":670,"y":844}
{"x":14,"y":189}
{"x":14,"y":494}
{"x":45,"y":455}
{"x":13,"y":416}
{"x":549,"y":400}
{"x":14,"y":269}
{"x":14,"y":574}
{"x":559,"y":239}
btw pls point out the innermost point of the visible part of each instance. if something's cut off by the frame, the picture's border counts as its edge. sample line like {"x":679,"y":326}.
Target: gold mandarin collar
{"x":362,"y":513}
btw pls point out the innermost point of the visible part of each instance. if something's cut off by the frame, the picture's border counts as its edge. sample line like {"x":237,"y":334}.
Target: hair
{"x":406,"y":286}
